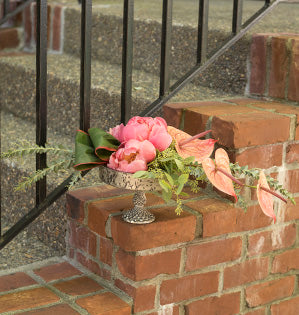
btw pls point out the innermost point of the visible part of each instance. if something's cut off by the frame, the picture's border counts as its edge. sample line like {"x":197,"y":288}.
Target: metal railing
{"x":166,"y":90}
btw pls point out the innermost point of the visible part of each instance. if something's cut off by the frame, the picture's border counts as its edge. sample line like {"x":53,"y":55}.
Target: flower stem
{"x":200,"y":135}
{"x":241,"y":184}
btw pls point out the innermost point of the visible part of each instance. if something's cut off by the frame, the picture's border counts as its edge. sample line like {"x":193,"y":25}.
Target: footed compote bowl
{"x":137,"y":215}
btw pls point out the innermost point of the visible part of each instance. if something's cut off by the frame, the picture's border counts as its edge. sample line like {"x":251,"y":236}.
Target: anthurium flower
{"x":265,"y":198}
{"x":144,"y":128}
{"x":132,"y":156}
{"x":219,"y":173}
{"x":200,"y":149}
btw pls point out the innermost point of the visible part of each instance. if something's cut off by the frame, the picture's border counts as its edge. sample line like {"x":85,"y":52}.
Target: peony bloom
{"x":219,"y":173}
{"x":264,"y":198}
{"x":144,"y":128}
{"x":132,"y":156}
{"x":200,"y":149}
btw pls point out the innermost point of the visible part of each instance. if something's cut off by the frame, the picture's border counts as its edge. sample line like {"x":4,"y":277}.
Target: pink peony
{"x":144,"y":128}
{"x":132,"y":156}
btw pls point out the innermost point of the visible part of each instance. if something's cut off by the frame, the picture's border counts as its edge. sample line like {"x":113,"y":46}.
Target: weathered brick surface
{"x":225,"y":305}
{"x":188,"y":287}
{"x":252,"y":129}
{"x":261,"y":311}
{"x":212,"y":253}
{"x":78,"y":286}
{"x":27,"y":25}
{"x":57,"y":271}
{"x":293,"y":93}
{"x":245,"y":272}
{"x":286,"y":261}
{"x":80,"y":237}
{"x":269,"y":291}
{"x":141,"y":267}
{"x":56,"y":28}
{"x":168,"y":228}
{"x":9,"y":38}
{"x":105,"y":303}
{"x":258,"y":73}
{"x":106,"y":248}
{"x":222,"y":218}
{"x":292,"y":153}
{"x":14,"y":281}
{"x":289,"y":307}
{"x":27,"y":299}
{"x":280,"y":237}
{"x":261,"y":156}
{"x":291,"y":212}
{"x":61,"y":309}
{"x":279,"y":67}
{"x":292,"y":183}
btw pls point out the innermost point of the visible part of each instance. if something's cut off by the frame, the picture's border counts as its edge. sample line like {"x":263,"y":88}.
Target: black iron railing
{"x":165,"y":93}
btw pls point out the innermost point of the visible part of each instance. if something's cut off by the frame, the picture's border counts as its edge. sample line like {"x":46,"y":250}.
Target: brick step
{"x":9,"y":38}
{"x":18,"y":95}
{"x":56,"y":286}
{"x":107,"y":37}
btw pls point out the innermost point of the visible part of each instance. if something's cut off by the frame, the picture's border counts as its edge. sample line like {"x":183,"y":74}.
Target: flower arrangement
{"x":148,"y":148}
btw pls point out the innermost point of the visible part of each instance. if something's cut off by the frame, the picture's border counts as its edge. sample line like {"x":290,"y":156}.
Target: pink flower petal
{"x":160,"y":138}
{"x":264,"y":198}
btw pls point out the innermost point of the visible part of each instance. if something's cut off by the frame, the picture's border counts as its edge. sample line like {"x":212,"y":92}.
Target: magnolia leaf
{"x":141,"y":174}
{"x":164,"y":185}
{"x":183,"y":179}
{"x":179,"y":164}
{"x":169,"y":178}
{"x":167,"y":195}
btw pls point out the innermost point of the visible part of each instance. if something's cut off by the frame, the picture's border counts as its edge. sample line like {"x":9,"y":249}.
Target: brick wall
{"x":55,"y":27}
{"x":274,"y":70}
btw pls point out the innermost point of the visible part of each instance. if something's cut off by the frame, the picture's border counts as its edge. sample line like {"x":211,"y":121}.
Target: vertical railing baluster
{"x":237,"y":16}
{"x":41,"y":93}
{"x":166,"y":47}
{"x":203,"y":27}
{"x":5,"y":7}
{"x":85,"y":75}
{"x":127,"y":61}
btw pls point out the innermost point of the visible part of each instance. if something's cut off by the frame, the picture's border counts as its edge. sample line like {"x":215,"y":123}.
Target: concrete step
{"x":55,"y":286}
{"x":17,"y":83}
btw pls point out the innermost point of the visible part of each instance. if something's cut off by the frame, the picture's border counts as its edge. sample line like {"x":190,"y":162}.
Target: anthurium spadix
{"x":265,"y":198}
{"x":187,"y":145}
{"x":219,"y":173}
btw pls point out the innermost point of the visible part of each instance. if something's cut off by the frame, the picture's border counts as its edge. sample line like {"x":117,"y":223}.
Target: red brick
{"x":257,"y":312}
{"x":143,"y":297}
{"x":197,"y":117}
{"x":258,"y":60}
{"x":106,"y":248}
{"x":14,"y":281}
{"x":222,"y":218}
{"x":188,"y":287}
{"x":228,"y":304}
{"x":264,"y":242}
{"x":291,"y":211}
{"x":77,"y":198}
{"x":173,"y":112}
{"x":146,"y":267}
{"x":81,"y":238}
{"x":27,"y":299}
{"x":269,"y":291}
{"x":9,"y":38}
{"x":279,"y":67}
{"x":245,"y":272}
{"x":104,"y":303}
{"x":27,"y":25}
{"x":289,"y":307}
{"x":261,"y":157}
{"x":78,"y":286}
{"x":292,"y":153}
{"x":94,"y":267}
{"x":61,"y":309}
{"x":99,"y":211}
{"x":286,"y":261}
{"x":56,"y":28}
{"x":251,"y":129}
{"x":57,"y":271}
{"x":168,"y":228}
{"x":244,"y":101}
{"x":292,"y":184}
{"x":212,"y":253}
{"x":293,"y":93}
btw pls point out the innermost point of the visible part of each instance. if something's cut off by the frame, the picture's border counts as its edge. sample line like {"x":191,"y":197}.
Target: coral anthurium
{"x":187,"y":145}
{"x":265,"y":198}
{"x":215,"y":172}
